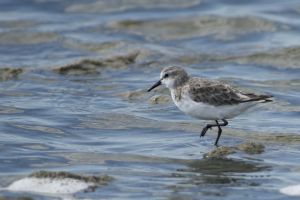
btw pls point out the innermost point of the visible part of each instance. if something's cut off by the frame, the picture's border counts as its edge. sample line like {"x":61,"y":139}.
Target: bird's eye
{"x":166,"y":75}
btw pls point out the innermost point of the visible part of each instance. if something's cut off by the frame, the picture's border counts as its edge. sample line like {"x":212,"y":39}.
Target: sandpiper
{"x":207,"y":99}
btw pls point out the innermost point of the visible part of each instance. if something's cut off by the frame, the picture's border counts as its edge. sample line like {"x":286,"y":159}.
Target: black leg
{"x":208,"y":126}
{"x":225,"y":123}
{"x":219,"y":134}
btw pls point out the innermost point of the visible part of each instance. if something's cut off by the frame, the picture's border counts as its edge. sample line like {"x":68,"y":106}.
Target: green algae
{"x":16,"y":198}
{"x":133,"y":95}
{"x":247,"y":148}
{"x":251,"y":148}
{"x":90,"y":66}
{"x":214,"y":166}
{"x":281,"y":58}
{"x":9,"y":73}
{"x":219,"y":152}
{"x":27,"y":38}
{"x":160,"y":99}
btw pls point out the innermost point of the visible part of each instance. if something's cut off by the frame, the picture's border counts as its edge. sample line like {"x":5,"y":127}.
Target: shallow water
{"x":73,"y":95}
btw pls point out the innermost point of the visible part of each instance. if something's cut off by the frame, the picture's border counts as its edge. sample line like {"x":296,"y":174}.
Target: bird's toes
{"x":203,"y":133}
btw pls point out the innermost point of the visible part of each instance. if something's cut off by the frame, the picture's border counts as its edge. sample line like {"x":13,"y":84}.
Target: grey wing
{"x":215,"y":93}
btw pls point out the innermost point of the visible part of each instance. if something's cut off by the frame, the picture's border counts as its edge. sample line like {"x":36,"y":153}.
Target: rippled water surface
{"x":74,"y":76}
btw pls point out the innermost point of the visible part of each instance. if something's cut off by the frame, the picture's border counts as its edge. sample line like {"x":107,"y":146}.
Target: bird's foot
{"x":203,"y":132}
{"x":217,"y":145}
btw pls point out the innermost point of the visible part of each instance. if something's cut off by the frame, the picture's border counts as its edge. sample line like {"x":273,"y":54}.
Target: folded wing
{"x":217,"y":93}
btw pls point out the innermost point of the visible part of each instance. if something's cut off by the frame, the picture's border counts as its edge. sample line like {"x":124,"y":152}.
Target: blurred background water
{"x":73,"y":81}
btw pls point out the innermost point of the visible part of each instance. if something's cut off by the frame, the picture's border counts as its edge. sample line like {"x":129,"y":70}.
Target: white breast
{"x":209,"y":112}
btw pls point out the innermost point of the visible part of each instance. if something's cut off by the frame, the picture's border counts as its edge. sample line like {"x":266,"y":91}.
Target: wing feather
{"x":214,"y":92}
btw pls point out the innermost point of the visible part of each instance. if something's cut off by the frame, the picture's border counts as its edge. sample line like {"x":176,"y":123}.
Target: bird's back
{"x":216,"y":93}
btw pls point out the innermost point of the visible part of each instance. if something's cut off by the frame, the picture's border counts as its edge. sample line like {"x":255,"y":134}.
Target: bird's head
{"x":171,"y":77}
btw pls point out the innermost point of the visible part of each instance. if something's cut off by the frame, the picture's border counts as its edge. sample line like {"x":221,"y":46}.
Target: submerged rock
{"x":220,"y":152}
{"x":79,"y":68}
{"x":9,"y":73}
{"x":142,"y":95}
{"x":58,"y":183}
{"x":248,"y":148}
{"x":16,"y":198}
{"x":285,"y":57}
{"x":89,"y":66}
{"x":213,"y":166}
{"x":160,"y":99}
{"x":133,"y":95}
{"x":285,"y":138}
{"x":251,"y":148}
{"x":18,"y":23}
{"x":27,"y":38}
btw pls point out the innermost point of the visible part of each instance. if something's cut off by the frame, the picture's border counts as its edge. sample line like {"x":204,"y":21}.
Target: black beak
{"x":158,"y":83}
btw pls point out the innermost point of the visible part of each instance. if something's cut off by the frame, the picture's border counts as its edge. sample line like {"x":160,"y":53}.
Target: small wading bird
{"x":207,"y":99}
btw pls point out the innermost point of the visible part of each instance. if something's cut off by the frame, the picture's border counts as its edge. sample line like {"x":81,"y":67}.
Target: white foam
{"x":293,"y":190}
{"x":50,"y":186}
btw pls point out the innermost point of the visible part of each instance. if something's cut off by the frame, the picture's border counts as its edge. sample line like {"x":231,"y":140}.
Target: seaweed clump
{"x":89,"y":66}
{"x":133,"y":95}
{"x":247,"y":147}
{"x":251,"y":148}
{"x":160,"y":99}
{"x":9,"y":73}
{"x":16,"y":198}
{"x":220,"y":152}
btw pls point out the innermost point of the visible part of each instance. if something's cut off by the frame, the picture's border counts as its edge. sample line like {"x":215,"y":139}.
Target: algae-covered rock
{"x":90,"y":66}
{"x":27,"y":38}
{"x":287,"y":57}
{"x":9,"y":73}
{"x":136,"y":95}
{"x":133,"y":95}
{"x":251,"y":148}
{"x":285,"y":138}
{"x":16,"y":198}
{"x":221,"y":165}
{"x":247,"y":147}
{"x":160,"y":99}
{"x":80,"y":68}
{"x":220,"y":152}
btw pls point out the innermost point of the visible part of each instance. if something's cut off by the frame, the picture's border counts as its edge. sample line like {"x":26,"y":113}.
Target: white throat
{"x":169,"y":83}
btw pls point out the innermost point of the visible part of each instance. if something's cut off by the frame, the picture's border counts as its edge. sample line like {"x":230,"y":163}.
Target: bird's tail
{"x":259,"y":98}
